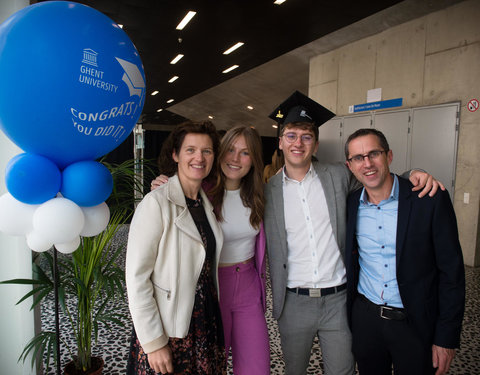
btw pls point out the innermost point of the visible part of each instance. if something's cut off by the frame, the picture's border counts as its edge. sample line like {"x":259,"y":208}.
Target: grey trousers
{"x":302,"y":318}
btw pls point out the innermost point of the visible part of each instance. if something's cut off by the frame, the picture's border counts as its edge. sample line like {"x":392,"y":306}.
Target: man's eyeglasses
{"x":372,"y":155}
{"x":305,"y":138}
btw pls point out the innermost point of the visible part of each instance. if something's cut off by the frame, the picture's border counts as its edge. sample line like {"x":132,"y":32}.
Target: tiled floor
{"x":113,"y":346}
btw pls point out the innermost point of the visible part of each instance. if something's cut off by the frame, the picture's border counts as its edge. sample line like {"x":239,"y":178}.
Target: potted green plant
{"x":90,"y":278}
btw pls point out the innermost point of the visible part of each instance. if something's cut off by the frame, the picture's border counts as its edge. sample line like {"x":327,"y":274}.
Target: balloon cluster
{"x":72,"y":89}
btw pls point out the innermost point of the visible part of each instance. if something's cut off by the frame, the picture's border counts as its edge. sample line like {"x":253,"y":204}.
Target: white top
{"x":239,"y":235}
{"x":314,"y":259}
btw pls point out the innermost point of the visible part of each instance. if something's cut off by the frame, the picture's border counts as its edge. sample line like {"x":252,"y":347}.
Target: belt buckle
{"x":385,"y":308}
{"x":315,"y":292}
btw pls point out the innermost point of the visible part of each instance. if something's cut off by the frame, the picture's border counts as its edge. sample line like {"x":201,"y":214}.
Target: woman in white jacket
{"x":171,"y":267}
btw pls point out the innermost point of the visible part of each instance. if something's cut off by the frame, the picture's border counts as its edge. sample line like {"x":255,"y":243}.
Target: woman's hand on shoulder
{"x":161,"y":360}
{"x":160,"y":180}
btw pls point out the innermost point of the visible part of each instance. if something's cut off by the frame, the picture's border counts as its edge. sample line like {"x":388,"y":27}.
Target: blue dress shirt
{"x":376,"y":236}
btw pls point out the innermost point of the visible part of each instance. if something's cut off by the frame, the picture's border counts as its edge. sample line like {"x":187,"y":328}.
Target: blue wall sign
{"x":376,"y":105}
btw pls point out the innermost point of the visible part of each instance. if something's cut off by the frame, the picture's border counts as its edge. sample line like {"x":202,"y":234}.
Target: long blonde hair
{"x":251,"y":185}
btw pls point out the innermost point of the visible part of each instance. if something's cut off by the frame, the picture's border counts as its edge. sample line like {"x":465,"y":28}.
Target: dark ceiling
{"x":268,"y":31}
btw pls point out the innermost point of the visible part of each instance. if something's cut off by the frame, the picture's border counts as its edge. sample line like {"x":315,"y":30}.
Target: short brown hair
{"x":174,"y":142}
{"x":367,"y":131}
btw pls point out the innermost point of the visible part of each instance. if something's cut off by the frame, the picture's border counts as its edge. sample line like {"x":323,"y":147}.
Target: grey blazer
{"x":337,"y":182}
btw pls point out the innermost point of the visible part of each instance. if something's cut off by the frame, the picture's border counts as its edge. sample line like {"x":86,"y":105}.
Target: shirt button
{"x":386,"y":265}
{"x":378,"y":208}
{"x":383,"y":247}
{"x":237,"y":269}
{"x":386,"y":286}
{"x":380,"y":227}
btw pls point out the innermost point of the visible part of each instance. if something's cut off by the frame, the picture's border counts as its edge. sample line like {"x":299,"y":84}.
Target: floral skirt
{"x":202,"y":351}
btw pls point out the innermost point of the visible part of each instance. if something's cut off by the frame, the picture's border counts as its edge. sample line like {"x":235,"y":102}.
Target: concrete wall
{"x":430,"y":60}
{"x":16,"y":322}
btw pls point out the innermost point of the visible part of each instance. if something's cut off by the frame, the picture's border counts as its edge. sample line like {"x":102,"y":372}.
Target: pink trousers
{"x":243,"y":319}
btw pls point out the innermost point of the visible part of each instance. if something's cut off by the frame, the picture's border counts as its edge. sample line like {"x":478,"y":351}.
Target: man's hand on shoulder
{"x":442,"y":358}
{"x":423,"y":180}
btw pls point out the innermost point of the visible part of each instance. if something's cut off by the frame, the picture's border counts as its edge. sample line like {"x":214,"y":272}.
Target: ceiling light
{"x":230,"y":69}
{"x":173,"y":79}
{"x":170,"y":100}
{"x":186,"y":20}
{"x":274,"y":126}
{"x":278,"y":2}
{"x":160,"y":110}
{"x":154,"y":93}
{"x":249,"y":107}
{"x":233,"y":48}
{"x":175,"y":60}
{"x":120,"y":25}
{"x":210,"y":117}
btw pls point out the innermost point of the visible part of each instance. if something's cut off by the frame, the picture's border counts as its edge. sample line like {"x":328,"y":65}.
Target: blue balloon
{"x":87,"y":183}
{"x":72,"y":82}
{"x":32,"y":179}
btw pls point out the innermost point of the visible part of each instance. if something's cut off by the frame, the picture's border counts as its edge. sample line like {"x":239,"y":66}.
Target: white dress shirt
{"x":314,"y":259}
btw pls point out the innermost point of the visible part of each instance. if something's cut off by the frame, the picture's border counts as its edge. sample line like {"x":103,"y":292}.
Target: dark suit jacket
{"x":430,"y":271}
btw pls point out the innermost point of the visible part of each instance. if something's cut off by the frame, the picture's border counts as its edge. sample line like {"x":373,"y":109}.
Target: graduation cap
{"x":300,"y":108}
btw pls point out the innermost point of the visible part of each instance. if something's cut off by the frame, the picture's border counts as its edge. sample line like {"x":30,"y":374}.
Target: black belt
{"x":318,"y":292}
{"x":385,"y":312}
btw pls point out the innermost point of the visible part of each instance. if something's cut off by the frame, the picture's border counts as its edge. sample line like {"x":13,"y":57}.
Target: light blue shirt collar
{"x":393,"y":194}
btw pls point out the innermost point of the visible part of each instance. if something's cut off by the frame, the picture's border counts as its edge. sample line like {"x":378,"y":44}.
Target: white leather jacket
{"x":165,"y":256}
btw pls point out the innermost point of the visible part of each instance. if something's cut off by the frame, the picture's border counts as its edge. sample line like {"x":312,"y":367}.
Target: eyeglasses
{"x":305,"y":138}
{"x":372,"y":155}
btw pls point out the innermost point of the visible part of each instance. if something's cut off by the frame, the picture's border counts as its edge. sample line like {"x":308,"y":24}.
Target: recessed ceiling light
{"x":249,"y":107}
{"x":120,"y":25}
{"x":173,"y":79}
{"x":230,"y":69}
{"x":278,"y":2}
{"x":186,"y":20}
{"x":176,"y":59}
{"x":210,"y":117}
{"x":233,"y":48}
{"x":170,"y":100}
{"x":160,"y":110}
{"x":274,"y":126}
{"x":154,"y":93}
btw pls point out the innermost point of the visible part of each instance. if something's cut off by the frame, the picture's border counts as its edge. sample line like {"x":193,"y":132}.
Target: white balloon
{"x":36,"y":242}
{"x":59,"y":220}
{"x":68,"y":247}
{"x":15,"y":216}
{"x":96,"y":219}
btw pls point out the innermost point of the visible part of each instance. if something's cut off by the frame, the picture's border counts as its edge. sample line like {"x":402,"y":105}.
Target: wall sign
{"x":376,"y":105}
{"x":472,"y":105}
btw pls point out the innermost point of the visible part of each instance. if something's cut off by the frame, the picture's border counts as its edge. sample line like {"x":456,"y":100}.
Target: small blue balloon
{"x":32,"y":179}
{"x":87,"y":183}
{"x":72,"y":82}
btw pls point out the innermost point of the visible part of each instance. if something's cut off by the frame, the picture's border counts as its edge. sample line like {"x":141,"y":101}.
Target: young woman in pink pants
{"x":238,"y":199}
{"x":237,"y":196}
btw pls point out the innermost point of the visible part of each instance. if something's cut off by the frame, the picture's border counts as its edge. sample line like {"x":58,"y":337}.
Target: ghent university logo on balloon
{"x":72,"y":88}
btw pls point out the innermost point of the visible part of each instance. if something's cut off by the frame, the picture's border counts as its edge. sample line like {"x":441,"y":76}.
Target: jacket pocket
{"x":163,"y":291}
